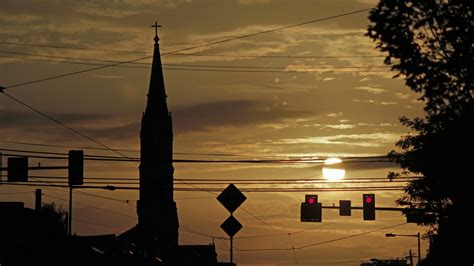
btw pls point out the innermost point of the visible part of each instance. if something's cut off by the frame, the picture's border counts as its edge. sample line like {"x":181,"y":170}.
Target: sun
{"x":331,"y":173}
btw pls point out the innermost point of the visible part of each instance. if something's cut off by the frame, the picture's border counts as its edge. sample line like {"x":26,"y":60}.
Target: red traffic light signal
{"x":311,"y":199}
{"x":368,"y":207}
{"x":368,"y":199}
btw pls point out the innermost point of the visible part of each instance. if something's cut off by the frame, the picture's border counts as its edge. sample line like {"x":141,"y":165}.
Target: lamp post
{"x":417,"y":236}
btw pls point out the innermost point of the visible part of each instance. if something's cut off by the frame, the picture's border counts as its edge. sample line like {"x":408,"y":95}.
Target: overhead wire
{"x":293,"y":249}
{"x":192,"y":47}
{"x":3,"y":88}
{"x":75,"y":131}
{"x":148,"y":65}
{"x":102,"y":149}
{"x":70,"y":47}
{"x":91,"y":206}
{"x":200,"y":54}
{"x":324,"y":242}
{"x":231,"y":69}
{"x":288,"y":159}
{"x":219,"y":189}
{"x":212,"y":181}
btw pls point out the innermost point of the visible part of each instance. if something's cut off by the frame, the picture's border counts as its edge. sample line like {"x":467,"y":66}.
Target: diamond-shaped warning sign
{"x":231,"y":198}
{"x":231,"y":226}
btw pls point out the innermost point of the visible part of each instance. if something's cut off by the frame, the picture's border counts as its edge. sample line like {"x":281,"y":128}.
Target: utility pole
{"x":75,"y":178}
{"x":419,"y":249}
{"x":69,"y":226}
{"x":419,"y":242}
{"x":38,"y":201}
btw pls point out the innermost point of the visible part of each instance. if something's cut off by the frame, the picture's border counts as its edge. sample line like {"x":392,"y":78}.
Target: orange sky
{"x":307,"y":103}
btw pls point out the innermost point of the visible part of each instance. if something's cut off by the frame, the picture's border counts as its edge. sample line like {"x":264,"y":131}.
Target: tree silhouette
{"x":429,"y":43}
{"x":56,"y":214}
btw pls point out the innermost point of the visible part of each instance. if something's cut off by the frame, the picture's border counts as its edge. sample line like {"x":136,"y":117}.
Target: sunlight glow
{"x":331,"y":173}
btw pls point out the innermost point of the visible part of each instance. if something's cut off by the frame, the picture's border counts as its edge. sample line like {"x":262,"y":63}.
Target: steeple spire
{"x":156,"y":92}
{"x":156,"y":26}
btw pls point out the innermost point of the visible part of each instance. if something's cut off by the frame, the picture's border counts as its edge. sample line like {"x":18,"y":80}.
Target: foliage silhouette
{"x":429,"y":43}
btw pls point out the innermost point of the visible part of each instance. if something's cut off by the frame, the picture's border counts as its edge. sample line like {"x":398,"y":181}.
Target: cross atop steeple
{"x":156,"y":26}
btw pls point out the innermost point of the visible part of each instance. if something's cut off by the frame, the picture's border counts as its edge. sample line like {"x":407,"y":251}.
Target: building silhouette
{"x":156,"y":209}
{"x":155,"y":236}
{"x":157,"y":229}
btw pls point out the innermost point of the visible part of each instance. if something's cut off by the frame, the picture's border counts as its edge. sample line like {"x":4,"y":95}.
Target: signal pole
{"x":70,"y":212}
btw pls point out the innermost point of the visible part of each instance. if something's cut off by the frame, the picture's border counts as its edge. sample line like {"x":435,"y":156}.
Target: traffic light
{"x":311,"y":210}
{"x":311,"y":199}
{"x":17,"y":169}
{"x":76,"y":167}
{"x":369,"y":207}
{"x":344,"y":208}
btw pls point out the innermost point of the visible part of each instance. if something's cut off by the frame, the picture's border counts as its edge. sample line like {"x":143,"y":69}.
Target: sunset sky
{"x":315,"y":90}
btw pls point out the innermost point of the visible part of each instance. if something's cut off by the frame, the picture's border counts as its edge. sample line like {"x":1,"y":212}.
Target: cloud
{"x":372,"y":90}
{"x":340,"y":126}
{"x":13,"y":118}
{"x":402,"y":96}
{"x":235,"y":113}
{"x":361,"y":140}
{"x":122,"y":131}
{"x":334,"y":114}
{"x":97,"y":126}
{"x":376,"y":102}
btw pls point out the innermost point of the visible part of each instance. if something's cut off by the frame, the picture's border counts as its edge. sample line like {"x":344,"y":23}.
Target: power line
{"x":73,"y":73}
{"x":91,"y":206}
{"x":293,"y":249}
{"x":192,"y":47}
{"x":60,"y":123}
{"x":2,"y":89}
{"x":148,"y":65}
{"x":284,"y":234}
{"x":103,"y":149}
{"x":268,"y":31}
{"x":71,"y":47}
{"x":374,"y":254}
{"x":324,"y":242}
{"x":351,"y":236}
{"x":219,"y":189}
{"x":262,"y":181}
{"x":293,"y":158}
{"x":231,"y":69}
{"x":318,"y":160}
{"x":98,"y":224}
{"x":257,"y":161}
{"x":90,"y":194}
{"x":198,"y":54}
{"x":275,"y":56}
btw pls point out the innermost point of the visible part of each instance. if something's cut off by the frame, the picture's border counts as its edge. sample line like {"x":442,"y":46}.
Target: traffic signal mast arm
{"x":361,"y":208}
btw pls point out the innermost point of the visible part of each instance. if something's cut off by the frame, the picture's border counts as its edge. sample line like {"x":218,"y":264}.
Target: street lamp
{"x":417,"y":236}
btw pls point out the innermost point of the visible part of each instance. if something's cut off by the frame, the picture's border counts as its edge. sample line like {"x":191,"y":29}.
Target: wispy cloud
{"x":363,"y":140}
{"x":373,"y":90}
{"x":376,"y":102}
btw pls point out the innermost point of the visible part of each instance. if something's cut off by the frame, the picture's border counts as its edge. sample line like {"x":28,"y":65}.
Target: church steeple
{"x":156,"y":91}
{"x":157,"y":214}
